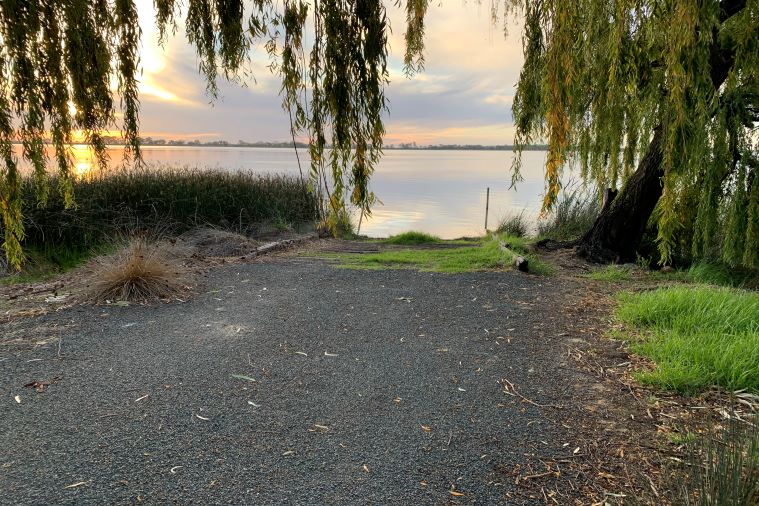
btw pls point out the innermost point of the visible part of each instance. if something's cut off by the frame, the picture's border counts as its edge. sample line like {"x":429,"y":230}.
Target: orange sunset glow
{"x":463,"y":97}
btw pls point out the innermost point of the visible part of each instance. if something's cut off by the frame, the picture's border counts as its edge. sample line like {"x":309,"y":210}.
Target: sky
{"x":463,"y":96}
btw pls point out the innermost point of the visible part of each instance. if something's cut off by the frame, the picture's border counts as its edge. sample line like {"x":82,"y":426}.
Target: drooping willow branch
{"x":59,"y":60}
{"x":600,"y":77}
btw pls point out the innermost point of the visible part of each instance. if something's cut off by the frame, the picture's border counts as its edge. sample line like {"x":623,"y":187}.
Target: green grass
{"x":723,"y":465}
{"x":412,"y":238}
{"x":699,"y":337}
{"x":722,"y":275}
{"x":610,"y":274}
{"x":486,"y":255}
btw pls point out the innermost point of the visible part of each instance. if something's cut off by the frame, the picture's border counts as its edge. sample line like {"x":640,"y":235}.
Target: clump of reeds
{"x":515,"y":225}
{"x":173,"y":199}
{"x":723,"y":467}
{"x":139,"y":272}
{"x":572,"y":215}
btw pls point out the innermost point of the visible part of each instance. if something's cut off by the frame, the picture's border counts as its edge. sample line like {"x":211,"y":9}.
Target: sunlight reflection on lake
{"x":440,"y":192}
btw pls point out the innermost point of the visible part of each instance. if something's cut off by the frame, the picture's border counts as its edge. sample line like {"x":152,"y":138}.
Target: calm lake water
{"x":440,"y":192}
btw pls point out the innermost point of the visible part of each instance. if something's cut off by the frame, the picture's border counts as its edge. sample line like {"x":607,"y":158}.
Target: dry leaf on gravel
{"x":77,"y":484}
{"x":243,"y":377}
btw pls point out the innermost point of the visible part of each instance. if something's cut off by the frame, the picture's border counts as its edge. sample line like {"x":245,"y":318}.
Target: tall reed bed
{"x":572,"y":215}
{"x":171,"y":200}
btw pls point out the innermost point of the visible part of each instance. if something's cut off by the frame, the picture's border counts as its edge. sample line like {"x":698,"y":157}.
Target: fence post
{"x":487,"y":206}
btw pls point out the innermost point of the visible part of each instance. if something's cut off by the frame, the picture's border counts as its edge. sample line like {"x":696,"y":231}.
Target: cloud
{"x":464,"y":95}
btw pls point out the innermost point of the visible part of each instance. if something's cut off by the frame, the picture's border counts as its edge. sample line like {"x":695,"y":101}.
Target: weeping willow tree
{"x":656,"y":98}
{"x":70,"y":68}
{"x":657,"y":101}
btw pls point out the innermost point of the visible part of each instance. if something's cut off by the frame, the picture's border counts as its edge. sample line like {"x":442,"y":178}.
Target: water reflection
{"x":84,"y":161}
{"x":441,"y":192}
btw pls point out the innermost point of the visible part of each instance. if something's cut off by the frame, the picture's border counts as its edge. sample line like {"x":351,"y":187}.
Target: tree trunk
{"x":617,"y":231}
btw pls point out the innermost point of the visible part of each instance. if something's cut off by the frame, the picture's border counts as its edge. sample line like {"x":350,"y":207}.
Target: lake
{"x":440,"y":192}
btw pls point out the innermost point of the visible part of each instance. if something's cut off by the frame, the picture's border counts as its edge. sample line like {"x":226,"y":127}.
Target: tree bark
{"x":617,"y":231}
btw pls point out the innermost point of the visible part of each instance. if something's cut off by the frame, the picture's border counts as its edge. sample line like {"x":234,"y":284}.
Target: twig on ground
{"x":508,"y":388}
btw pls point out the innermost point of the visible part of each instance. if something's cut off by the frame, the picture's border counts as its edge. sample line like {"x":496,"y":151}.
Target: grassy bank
{"x":166,"y":201}
{"x":698,"y":336}
{"x":483,"y":253}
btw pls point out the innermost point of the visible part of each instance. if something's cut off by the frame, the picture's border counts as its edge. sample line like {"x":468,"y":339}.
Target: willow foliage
{"x":601,"y":77}
{"x":73,"y":65}
{"x":59,"y":64}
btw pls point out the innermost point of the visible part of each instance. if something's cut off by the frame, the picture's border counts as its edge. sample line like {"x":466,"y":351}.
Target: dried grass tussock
{"x":141,"y":271}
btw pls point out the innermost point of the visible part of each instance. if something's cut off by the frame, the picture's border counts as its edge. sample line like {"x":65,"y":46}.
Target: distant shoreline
{"x":285,"y":145}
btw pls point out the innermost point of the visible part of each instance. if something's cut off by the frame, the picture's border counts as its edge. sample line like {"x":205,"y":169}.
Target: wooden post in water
{"x":487,"y":206}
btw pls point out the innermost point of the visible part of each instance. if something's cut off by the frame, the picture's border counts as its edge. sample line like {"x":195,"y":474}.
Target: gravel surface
{"x":290,"y":382}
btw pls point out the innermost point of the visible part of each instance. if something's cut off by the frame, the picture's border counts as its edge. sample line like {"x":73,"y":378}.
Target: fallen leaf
{"x":330,"y":354}
{"x":203,"y":418}
{"x":254,"y":404}
{"x":18,"y":399}
{"x":288,"y":452}
{"x":397,"y":400}
{"x":173,"y":470}
{"x":321,"y":427}
{"x":301,"y":353}
{"x":365,"y":468}
{"x":456,"y":494}
{"x":243,"y":377}
{"x":74,"y":485}
{"x":141,"y":398}
{"x":426,"y":428}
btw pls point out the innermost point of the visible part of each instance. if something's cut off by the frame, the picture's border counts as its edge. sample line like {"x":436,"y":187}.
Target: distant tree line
{"x":150,"y":141}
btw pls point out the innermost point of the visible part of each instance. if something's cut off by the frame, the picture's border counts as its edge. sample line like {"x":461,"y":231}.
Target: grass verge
{"x":722,"y":275}
{"x":412,"y":238}
{"x":610,"y":274}
{"x":162,"y":202}
{"x":699,"y":337}
{"x":46,"y":261}
{"x":516,"y":225}
{"x":487,"y":255}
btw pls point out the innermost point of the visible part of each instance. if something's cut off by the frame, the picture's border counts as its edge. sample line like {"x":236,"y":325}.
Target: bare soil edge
{"x":198,"y":251}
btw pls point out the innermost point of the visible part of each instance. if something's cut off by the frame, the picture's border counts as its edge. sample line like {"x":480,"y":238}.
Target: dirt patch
{"x":212,"y":243}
